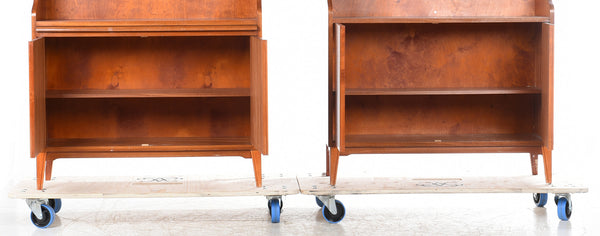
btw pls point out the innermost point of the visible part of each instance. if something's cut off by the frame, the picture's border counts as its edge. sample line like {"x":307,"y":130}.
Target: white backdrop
{"x":297,"y":44}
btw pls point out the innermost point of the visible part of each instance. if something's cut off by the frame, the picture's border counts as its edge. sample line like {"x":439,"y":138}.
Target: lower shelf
{"x":148,"y":144}
{"x":473,"y":140}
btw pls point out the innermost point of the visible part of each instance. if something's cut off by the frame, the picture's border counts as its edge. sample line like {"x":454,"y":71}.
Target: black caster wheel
{"x":540,"y":199}
{"x":275,"y":206}
{"x":47,"y":217}
{"x":564,"y":208}
{"x":331,"y":218}
{"x":319,"y":202}
{"x":56,"y":204}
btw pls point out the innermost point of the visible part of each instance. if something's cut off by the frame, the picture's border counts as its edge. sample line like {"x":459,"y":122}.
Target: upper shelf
{"x":440,"y":11}
{"x":451,"y":19}
{"x":150,"y":27}
{"x":441,"y":91}
{"x":84,"y":18}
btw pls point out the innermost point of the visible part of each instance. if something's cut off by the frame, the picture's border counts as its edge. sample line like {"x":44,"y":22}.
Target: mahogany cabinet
{"x":435,"y":76}
{"x":157,"y":78}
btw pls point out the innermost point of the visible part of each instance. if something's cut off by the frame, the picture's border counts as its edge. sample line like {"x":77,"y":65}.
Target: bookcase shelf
{"x":430,"y":76}
{"x":165,"y":78}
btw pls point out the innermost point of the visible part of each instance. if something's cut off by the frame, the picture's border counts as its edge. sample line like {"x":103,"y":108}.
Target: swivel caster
{"x":275,"y":205}
{"x":564,"y":207}
{"x":338,"y":216}
{"x":45,"y":219}
{"x":540,"y":199}
{"x":56,"y":204}
{"x":333,"y":210}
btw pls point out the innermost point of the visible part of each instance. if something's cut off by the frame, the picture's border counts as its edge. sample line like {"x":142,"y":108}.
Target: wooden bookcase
{"x":472,"y":76}
{"x":162,"y":78}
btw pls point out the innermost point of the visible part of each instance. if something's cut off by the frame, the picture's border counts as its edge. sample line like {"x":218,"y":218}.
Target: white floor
{"x":430,"y":214}
{"x":472,"y":214}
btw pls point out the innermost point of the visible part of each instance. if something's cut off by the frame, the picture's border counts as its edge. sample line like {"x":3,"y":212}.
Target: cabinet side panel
{"x":37,"y":99}
{"x":341,"y":84}
{"x":382,"y":8}
{"x":259,"y":94}
{"x":547,"y":82}
{"x":148,"y":9}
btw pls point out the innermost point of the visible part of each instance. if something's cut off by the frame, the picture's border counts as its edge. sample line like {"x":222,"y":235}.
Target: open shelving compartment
{"x":160,"y":79}
{"x":430,"y":77}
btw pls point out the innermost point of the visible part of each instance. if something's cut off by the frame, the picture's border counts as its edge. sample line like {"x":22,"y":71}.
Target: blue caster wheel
{"x":331,"y":218}
{"x":540,"y":199}
{"x":319,"y":202}
{"x":564,"y":208}
{"x":275,"y":210}
{"x":56,"y":204}
{"x":47,"y":217}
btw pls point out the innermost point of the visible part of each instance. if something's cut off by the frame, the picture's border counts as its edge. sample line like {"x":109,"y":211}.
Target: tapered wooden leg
{"x":49,"y":162}
{"x":547,"y":154}
{"x":326,"y":160}
{"x":40,"y":166}
{"x":334,"y":157}
{"x":534,"y":163}
{"x":257,"y":167}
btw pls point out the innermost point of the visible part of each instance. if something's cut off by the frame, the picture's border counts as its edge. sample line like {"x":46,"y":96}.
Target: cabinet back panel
{"x":441,"y":115}
{"x":146,"y":9}
{"x":441,"y":55}
{"x":433,"y":8}
{"x":148,"y":63}
{"x":154,"y":117}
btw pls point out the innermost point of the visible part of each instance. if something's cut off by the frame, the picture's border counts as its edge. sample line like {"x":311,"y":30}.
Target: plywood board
{"x":311,"y":185}
{"x":154,"y":187}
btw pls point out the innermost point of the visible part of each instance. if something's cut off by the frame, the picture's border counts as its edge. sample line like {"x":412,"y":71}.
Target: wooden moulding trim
{"x":34,"y":10}
{"x":433,"y":141}
{"x":143,"y":23}
{"x":419,"y":150}
{"x":146,"y":28}
{"x":545,"y":8}
{"x":146,"y":34}
{"x":233,"y":153}
{"x":461,"y":19}
{"x":149,"y":148}
{"x":259,"y":17}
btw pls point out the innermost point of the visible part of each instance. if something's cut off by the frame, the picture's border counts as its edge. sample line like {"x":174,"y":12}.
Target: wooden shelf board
{"x":455,"y":19}
{"x":147,"y":144}
{"x":139,"y":22}
{"x":474,"y":140}
{"x":125,"y":26}
{"x":147,"y":34}
{"x":441,"y":91}
{"x":148,"y":93}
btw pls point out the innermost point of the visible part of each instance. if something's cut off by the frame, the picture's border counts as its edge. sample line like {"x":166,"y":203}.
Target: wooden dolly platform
{"x":46,"y":203}
{"x":334,"y":211}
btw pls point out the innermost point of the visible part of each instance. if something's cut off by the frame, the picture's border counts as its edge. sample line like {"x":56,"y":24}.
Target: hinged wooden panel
{"x":340,"y":65}
{"x":547,"y":82}
{"x":259,"y":95}
{"x":37,"y":99}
